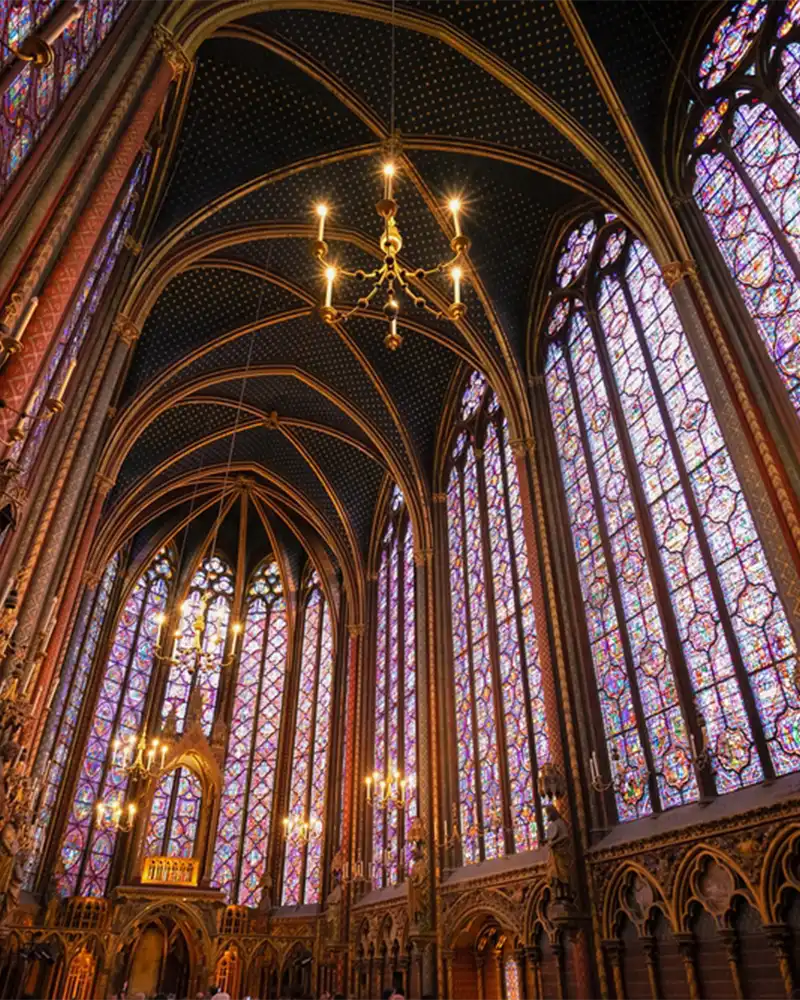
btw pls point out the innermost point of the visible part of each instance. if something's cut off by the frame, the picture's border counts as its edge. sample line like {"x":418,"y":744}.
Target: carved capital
{"x":124,"y":328}
{"x":103,"y":484}
{"x":422,"y":556}
{"x":91,"y":579}
{"x":174,"y":52}
{"x":440,"y":498}
{"x":133,"y":245}
{"x":677,"y":270}
{"x":522,"y":446}
{"x":356,"y":631}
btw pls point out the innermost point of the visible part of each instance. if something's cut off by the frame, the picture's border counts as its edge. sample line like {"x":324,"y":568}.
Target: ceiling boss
{"x":391,"y":278}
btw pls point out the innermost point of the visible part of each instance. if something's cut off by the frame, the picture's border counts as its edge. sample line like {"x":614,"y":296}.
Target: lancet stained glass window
{"x":173,"y":821}
{"x":251,"y":764}
{"x":500,"y":725}
{"x":302,"y":871}
{"x":62,"y":719}
{"x":395,"y":694}
{"x":37,"y":93}
{"x":208,"y":603}
{"x":744,"y":167}
{"x":118,"y":714}
{"x":690,"y":642}
{"x":73,"y":333}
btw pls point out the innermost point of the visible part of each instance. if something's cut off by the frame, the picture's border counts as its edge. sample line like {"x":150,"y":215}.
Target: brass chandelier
{"x":391,"y":277}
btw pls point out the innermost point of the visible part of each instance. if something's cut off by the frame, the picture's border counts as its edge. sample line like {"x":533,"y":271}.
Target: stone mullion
{"x":630,"y":669}
{"x":401,"y":687}
{"x":557,"y":526}
{"x":19,"y":374}
{"x":494,"y":657}
{"x":702,"y":540}
{"x":334,"y":774}
{"x":660,"y":585}
{"x":66,"y":792}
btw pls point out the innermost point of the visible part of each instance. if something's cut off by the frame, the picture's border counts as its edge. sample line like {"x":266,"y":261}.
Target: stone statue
{"x":419,"y":903}
{"x":559,"y":859}
{"x":265,"y":885}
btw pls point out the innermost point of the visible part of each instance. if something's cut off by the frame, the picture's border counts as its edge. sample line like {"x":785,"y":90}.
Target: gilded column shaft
{"x":20,"y":373}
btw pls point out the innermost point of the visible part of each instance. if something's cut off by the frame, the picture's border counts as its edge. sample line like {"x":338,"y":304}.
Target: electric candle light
{"x":455,"y":207}
{"x":330,"y":274}
{"x":26,"y":318}
{"x":59,"y":396}
{"x":322,"y":212}
{"x":388,"y":179}
{"x":455,"y":273}
{"x":160,"y":620}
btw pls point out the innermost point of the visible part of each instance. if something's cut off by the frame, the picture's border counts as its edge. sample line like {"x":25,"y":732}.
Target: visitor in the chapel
{"x":399,"y":499}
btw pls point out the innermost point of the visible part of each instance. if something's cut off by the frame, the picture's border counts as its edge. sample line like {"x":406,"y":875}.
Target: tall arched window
{"x":73,"y":333}
{"x":395,"y":691}
{"x":252,"y":759}
{"x":302,"y":872}
{"x":690,"y":642}
{"x":744,"y":167}
{"x":500,"y":725}
{"x":62,"y":720}
{"x":174,"y":816}
{"x":118,"y":713}
{"x":210,"y":596}
{"x":38,"y":92}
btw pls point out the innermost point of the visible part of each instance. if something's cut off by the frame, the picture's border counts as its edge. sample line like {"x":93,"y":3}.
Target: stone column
{"x":522,"y":972}
{"x":686,"y":947}
{"x":447,"y":958}
{"x":613,"y":953}
{"x":780,"y":937}
{"x":59,"y":516}
{"x":650,"y":947}
{"x":19,"y":375}
{"x":534,"y":966}
{"x":480,"y":981}
{"x":731,"y":943}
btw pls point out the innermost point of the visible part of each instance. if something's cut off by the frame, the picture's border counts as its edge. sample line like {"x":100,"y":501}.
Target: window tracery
{"x":37,"y":93}
{"x":688,"y":635}
{"x":75,"y":328}
{"x":744,"y":168}
{"x":118,"y":713}
{"x":251,"y":764}
{"x":174,"y":818}
{"x":62,"y":720}
{"x":501,"y":733}
{"x":395,"y":692}
{"x":302,"y":872}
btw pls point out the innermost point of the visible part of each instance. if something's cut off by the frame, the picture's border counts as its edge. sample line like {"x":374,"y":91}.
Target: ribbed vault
{"x":236,"y":384}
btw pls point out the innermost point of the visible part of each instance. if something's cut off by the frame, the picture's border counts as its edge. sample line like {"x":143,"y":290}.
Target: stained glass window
{"x":117,"y":714}
{"x":689,"y":640}
{"x":62,"y":719}
{"x":744,"y":168}
{"x":37,"y":93}
{"x":302,"y":871}
{"x":76,"y":326}
{"x":500,"y":727}
{"x":395,"y":694}
{"x":252,"y":758}
{"x":173,"y":821}
{"x":207,"y":608}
